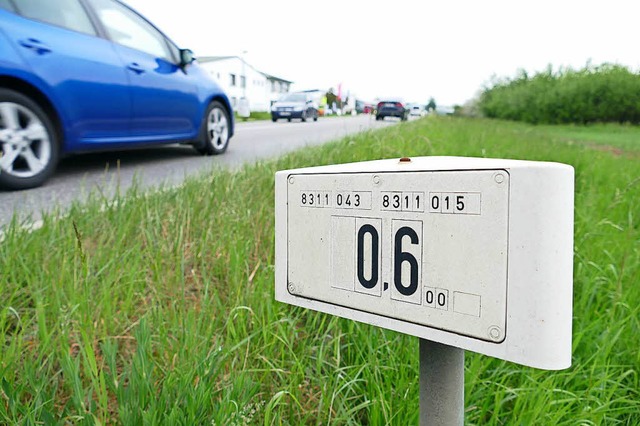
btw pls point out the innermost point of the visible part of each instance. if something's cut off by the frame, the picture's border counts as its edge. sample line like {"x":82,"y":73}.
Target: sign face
{"x":470,"y":252}
{"x":428,"y":248}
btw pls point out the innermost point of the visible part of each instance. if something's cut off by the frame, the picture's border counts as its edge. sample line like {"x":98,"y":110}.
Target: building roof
{"x":205,"y":59}
{"x":272,"y":77}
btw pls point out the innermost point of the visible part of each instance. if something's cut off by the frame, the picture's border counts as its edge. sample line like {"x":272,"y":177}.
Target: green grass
{"x":254,"y":116}
{"x":159,"y":309}
{"x":612,"y":137}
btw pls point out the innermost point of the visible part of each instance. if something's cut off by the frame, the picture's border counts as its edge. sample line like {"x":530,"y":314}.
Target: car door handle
{"x":135,"y":67}
{"x":36,"y":45}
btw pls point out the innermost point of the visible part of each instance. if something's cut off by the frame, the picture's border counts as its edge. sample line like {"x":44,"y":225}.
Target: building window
{"x":243,"y":81}
{"x":234,"y":101}
{"x":233,"y":80}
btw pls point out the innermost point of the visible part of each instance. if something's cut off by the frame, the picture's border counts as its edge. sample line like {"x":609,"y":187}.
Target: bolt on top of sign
{"x":474,"y":253}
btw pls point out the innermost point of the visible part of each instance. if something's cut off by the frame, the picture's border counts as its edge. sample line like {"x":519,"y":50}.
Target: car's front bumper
{"x":286,"y":114}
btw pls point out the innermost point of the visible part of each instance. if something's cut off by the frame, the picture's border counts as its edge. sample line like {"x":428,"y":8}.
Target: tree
{"x":431,"y":106}
{"x":331,"y":98}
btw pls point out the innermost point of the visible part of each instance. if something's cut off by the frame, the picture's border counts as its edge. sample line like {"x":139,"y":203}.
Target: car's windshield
{"x":294,"y":97}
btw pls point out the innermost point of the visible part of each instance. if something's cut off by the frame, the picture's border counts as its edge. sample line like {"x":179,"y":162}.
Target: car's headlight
{"x":298,"y":108}
{"x":274,"y":107}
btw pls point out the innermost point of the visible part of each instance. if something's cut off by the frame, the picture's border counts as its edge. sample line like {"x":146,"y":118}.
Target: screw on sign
{"x":455,"y":251}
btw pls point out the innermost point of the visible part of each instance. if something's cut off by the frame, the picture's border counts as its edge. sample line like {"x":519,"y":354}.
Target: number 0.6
{"x":407,"y":257}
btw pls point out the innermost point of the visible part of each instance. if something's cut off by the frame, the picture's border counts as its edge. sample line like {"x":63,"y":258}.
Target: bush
{"x":605,"y":93}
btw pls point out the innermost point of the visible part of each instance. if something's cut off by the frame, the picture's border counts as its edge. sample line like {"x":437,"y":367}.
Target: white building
{"x":240,"y":80}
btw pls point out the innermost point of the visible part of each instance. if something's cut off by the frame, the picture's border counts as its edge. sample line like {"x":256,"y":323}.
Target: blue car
{"x":93,"y":75}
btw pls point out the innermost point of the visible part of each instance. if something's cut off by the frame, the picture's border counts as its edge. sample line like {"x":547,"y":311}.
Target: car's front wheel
{"x":29,"y":146}
{"x":214,"y":133}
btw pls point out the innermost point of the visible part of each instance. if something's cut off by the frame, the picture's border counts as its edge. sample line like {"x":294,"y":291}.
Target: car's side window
{"x":125,"y":27}
{"x":175,"y":51}
{"x":6,"y":4}
{"x":68,"y":14}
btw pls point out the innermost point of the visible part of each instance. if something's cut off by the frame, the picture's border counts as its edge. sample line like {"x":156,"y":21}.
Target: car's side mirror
{"x":186,"y":57}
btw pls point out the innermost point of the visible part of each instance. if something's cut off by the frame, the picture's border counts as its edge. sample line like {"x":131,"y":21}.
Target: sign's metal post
{"x":441,"y":384}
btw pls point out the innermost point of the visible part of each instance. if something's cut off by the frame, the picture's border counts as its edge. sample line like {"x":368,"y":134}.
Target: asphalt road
{"x":78,"y":176}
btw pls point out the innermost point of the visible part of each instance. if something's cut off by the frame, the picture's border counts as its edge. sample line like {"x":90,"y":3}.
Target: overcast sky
{"x":413,"y":49}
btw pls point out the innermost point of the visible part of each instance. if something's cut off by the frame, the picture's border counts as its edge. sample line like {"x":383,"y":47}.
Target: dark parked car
{"x":86,"y":75}
{"x":391,"y":108}
{"x":294,"y":105}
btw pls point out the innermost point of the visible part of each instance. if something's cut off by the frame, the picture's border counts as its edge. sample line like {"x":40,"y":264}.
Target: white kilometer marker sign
{"x":472,"y":253}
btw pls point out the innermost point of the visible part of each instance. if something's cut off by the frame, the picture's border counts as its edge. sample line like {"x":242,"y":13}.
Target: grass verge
{"x":158,"y":308}
{"x":254,"y":116}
